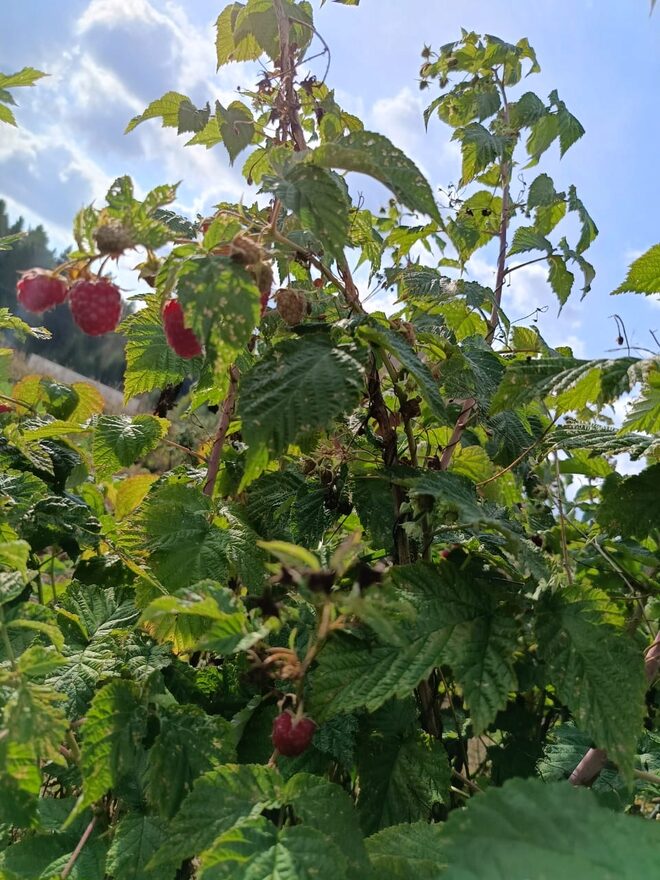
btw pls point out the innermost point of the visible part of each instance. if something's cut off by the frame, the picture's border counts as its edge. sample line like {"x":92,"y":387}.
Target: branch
{"x":79,"y":846}
{"x":226,"y":414}
{"x":461,"y":423}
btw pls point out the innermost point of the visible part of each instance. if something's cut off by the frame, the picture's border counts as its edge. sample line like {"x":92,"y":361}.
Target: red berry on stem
{"x":4,"y":408}
{"x":95,"y":306}
{"x":291,"y":735}
{"x":39,"y":290}
{"x":179,"y":337}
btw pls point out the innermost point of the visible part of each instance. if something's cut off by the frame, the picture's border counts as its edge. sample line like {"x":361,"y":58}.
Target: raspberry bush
{"x":374,"y":626}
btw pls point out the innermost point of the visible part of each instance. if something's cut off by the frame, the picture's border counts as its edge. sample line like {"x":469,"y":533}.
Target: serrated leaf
{"x":318,"y":200}
{"x":479,"y":149}
{"x":589,"y":229}
{"x":630,"y":506}
{"x":532,"y":829}
{"x":591,"y":663}
{"x":543,"y":132}
{"x":560,"y":278}
{"x":150,"y":362}
{"x":28,"y":76}
{"x":131,"y":492}
{"x":402,"y":852}
{"x":258,"y":849}
{"x":526,"y":238}
{"x":644,"y":274}
{"x":189,"y":743}
{"x":165,"y":108}
{"x":394,"y":342}
{"x":220,"y":799}
{"x":248,"y":49}
{"x":236,"y":126}
{"x":136,"y":839}
{"x":369,"y":153}
{"x":114,"y":725}
{"x":301,"y":386}
{"x":120,"y":441}
{"x":402,"y":772}
{"x":644,"y":414}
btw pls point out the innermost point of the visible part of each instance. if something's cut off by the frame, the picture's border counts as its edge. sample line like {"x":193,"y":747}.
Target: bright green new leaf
{"x":644,"y":274}
{"x":165,"y":108}
{"x":236,"y":126}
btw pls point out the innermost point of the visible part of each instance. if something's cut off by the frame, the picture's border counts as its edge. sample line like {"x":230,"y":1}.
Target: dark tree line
{"x":100,"y":358}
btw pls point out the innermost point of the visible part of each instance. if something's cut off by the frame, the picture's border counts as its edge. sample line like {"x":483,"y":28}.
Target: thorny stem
{"x":79,"y":847}
{"x":287,"y":101}
{"x":461,"y":423}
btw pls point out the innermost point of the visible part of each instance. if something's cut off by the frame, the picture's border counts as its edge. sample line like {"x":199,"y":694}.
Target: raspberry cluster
{"x":95,"y":303}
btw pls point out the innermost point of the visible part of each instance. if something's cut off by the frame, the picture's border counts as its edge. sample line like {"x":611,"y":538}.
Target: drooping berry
{"x":179,"y":337}
{"x":39,"y":290}
{"x":291,"y":305}
{"x":95,"y":306}
{"x":112,"y":238}
{"x":291,"y":735}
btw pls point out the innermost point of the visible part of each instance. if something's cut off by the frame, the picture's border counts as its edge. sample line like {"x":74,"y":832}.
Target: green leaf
{"x":113,"y":728}
{"x":247,"y":49}
{"x":236,"y":126}
{"x":541,"y":192}
{"x":560,"y":278}
{"x":326,"y":807}
{"x":479,"y":149}
{"x":630,"y":506}
{"x":394,"y":342}
{"x":184,"y":546}
{"x":136,"y":839}
{"x":120,"y":441}
{"x":302,"y":386}
{"x":402,"y":771}
{"x":28,"y":76}
{"x":317,"y":199}
{"x":150,"y":362}
{"x":131,"y":492}
{"x":403,"y":852}
{"x":369,"y":153}
{"x":570,"y":129}
{"x":591,"y":663}
{"x":165,"y":108}
{"x":258,"y":849}
{"x":526,"y":238}
{"x":221,"y":302}
{"x":644,"y":414}
{"x":219,"y":800}
{"x":7,"y":116}
{"x":16,"y":325}
{"x":189,"y":743}
{"x":543,"y":132}
{"x":530,"y":829}
{"x":643,"y":274}
{"x":430,"y":610}
{"x":589,"y":229}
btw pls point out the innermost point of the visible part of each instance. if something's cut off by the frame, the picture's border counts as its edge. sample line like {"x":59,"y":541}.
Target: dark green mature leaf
{"x":402,"y":772}
{"x":119,"y":441}
{"x":598,"y":439}
{"x":560,"y":278}
{"x":402,"y":852}
{"x":430,"y":610}
{"x":219,"y":800}
{"x":326,"y":807}
{"x":136,"y":839}
{"x":260,"y":850}
{"x":644,"y":414}
{"x":112,"y":732}
{"x":190,"y":743}
{"x":150,"y":362}
{"x":318,"y":200}
{"x":630,"y":506}
{"x":591,"y":663}
{"x":302,"y":386}
{"x":644,"y":274}
{"x":44,"y":856}
{"x":589,"y":228}
{"x":530,"y":829}
{"x":373,"y":154}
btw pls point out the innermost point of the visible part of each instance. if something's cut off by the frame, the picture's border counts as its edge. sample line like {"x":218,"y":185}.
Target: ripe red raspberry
{"x":95,"y":306}
{"x":179,"y":337}
{"x":39,"y":290}
{"x":5,"y":408}
{"x":291,"y":735}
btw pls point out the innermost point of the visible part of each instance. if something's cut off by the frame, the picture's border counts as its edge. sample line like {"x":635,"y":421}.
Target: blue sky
{"x":109,"y":58}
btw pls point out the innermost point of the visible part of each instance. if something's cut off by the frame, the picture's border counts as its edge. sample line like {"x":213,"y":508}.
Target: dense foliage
{"x":406,"y":539}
